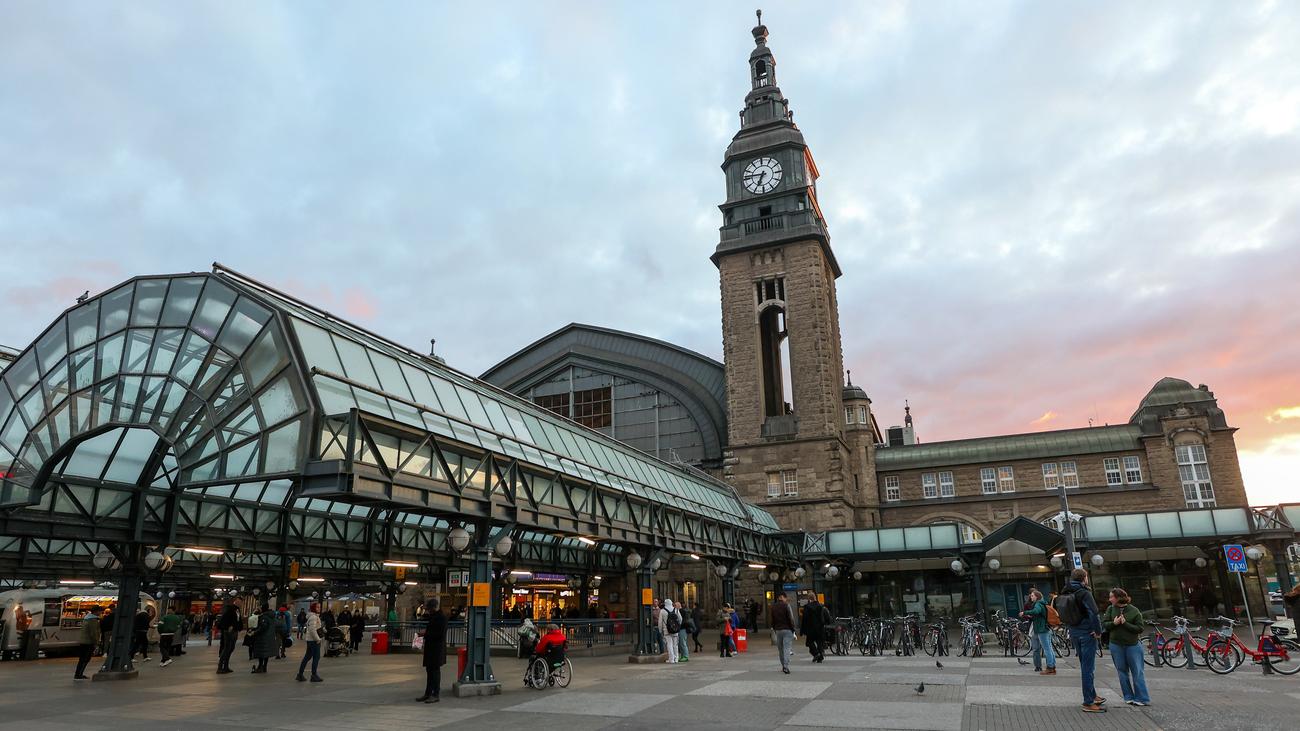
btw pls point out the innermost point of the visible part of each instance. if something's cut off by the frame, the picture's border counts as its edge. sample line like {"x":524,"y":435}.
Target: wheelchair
{"x":553,"y":669}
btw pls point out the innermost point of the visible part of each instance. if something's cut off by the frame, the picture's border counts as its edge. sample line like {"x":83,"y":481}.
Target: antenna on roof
{"x":847,"y":372}
{"x":433,"y":342}
{"x":759,"y":13}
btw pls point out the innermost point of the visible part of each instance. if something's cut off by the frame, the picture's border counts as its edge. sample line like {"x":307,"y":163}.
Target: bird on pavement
{"x":938,"y":664}
{"x":920,"y":688}
{"x":1022,"y":661}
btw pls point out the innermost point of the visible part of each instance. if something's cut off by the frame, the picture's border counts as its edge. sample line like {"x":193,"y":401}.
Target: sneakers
{"x":684,"y":659}
{"x":146,"y":659}
{"x":1094,"y":708}
{"x":300,"y":679}
{"x":1138,"y":703}
{"x":1099,"y":701}
{"x":785,"y":670}
{"x":165,"y":663}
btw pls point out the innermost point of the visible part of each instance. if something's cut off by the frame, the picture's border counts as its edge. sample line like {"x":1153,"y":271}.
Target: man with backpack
{"x":1044,"y":617}
{"x":670,"y":623}
{"x":683,"y":633}
{"x":1078,"y":611}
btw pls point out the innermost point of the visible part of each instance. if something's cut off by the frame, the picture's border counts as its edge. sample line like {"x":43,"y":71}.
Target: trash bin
{"x":379,"y":643}
{"x":742,"y":640}
{"x":31,"y":645}
{"x":462,"y":659}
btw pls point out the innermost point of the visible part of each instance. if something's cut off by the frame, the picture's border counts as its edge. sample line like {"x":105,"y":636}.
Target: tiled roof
{"x":1063,"y":443}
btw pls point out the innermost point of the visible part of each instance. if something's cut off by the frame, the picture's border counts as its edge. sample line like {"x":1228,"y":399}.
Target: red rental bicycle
{"x":1282,"y":653}
{"x":1184,"y":646}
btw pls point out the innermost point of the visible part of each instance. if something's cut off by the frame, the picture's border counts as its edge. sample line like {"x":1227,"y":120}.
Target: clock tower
{"x":787,"y":447}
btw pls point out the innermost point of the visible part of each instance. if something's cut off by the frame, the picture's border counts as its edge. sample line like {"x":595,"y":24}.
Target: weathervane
{"x":759,"y":13}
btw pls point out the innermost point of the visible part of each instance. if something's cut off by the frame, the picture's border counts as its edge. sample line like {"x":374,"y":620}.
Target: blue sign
{"x":1236,"y":558}
{"x":789,"y":587}
{"x":1078,"y":559}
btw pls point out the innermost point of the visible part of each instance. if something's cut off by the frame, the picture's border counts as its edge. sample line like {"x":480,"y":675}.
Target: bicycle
{"x":1280,"y":652}
{"x":1061,"y":642}
{"x":935,"y":639}
{"x":1010,"y":636}
{"x":1186,"y":647}
{"x":972,"y":637}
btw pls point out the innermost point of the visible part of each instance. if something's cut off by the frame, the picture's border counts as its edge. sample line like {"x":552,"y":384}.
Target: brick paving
{"x":367,"y":692}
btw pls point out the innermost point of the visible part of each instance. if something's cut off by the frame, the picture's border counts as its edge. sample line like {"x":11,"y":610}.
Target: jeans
{"x":784,"y":643}
{"x":1043,"y":650}
{"x":670,"y":642}
{"x":683,"y":644}
{"x":1132,"y":674}
{"x":311,"y":653}
{"x":1086,"y":645}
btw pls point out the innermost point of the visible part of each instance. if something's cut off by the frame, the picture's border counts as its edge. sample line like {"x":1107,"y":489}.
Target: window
{"x":1113,"y":475}
{"x":774,"y":484}
{"x":892,"y":491}
{"x":989,"y":481}
{"x":593,"y":408}
{"x":862,"y":414}
{"x":1069,"y":474}
{"x":946,"y":487}
{"x":558,"y":404}
{"x":1132,"y":470}
{"x":791,"y":482}
{"x":1194,"y":472}
{"x":1007,"y":478}
{"x":1051,"y":480}
{"x":929,"y":488}
{"x":848,"y":415}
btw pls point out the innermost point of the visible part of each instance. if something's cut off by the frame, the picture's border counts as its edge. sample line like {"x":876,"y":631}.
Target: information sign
{"x":1078,"y":559}
{"x":1236,"y":556}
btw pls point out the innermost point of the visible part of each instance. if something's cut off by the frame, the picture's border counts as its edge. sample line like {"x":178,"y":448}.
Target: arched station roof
{"x":200,"y":392}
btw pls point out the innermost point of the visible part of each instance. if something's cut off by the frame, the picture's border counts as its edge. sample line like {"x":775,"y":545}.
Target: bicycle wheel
{"x":1020,"y":644}
{"x":1173,"y":655}
{"x":1290,"y":664}
{"x":536,"y":675}
{"x":1062,"y":644}
{"x":930,"y":642}
{"x":564,"y":673}
{"x":1221,"y":656}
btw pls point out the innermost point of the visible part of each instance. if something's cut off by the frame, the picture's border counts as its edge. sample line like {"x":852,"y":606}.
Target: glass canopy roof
{"x":206,"y":368}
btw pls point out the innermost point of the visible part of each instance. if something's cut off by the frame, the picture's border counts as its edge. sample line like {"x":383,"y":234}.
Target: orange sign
{"x":821,"y":598}
{"x":294,"y":568}
{"x":481,"y":596}
{"x":647,"y":597}
{"x":400,"y":573}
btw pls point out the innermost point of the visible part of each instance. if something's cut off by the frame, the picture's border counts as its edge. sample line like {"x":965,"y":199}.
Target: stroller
{"x":337,"y":642}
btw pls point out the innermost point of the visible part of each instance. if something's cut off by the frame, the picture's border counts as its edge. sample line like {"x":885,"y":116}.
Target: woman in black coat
{"x":813,"y":628}
{"x":358,"y":630}
{"x":435,"y":651}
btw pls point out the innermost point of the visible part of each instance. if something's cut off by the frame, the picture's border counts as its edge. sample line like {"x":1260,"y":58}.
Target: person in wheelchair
{"x":550,"y":650}
{"x":552,"y":645}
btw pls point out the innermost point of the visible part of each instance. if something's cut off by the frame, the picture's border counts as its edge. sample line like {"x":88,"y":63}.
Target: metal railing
{"x":767,"y":223}
{"x":582,"y":633}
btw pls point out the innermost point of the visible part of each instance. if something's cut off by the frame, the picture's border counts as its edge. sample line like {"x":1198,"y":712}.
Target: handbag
{"x":417,"y":643}
{"x":288,"y":642}
{"x":152,"y":636}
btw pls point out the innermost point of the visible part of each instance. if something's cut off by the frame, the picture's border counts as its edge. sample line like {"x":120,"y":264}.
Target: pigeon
{"x":920,"y":688}
{"x":1022,"y":661}
{"x":938,"y":664}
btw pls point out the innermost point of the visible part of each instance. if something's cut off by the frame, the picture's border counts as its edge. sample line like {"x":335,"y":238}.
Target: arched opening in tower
{"x":778,"y":395}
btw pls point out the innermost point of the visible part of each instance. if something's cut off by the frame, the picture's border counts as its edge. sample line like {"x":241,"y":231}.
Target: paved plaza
{"x":748,"y":692}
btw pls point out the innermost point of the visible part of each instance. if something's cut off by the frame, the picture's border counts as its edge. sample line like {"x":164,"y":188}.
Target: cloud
{"x":1284,"y":413}
{"x":1038,"y":207}
{"x":1047,"y":416}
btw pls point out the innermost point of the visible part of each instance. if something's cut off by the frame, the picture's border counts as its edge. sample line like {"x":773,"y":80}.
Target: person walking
{"x":435,"y":651}
{"x":1078,"y":610}
{"x":1125,"y":625}
{"x":228,"y":627}
{"x":313,"y":633}
{"x":86,"y":642}
{"x":697,"y":625}
{"x":140,"y":633}
{"x":358,"y":630}
{"x":266,"y":639}
{"x":302,"y":623}
{"x":813,"y":628}
{"x":284,"y":622}
{"x":106,"y":629}
{"x":670,"y":622}
{"x":783,"y":627}
{"x":1036,"y":612}
{"x":168,"y":626}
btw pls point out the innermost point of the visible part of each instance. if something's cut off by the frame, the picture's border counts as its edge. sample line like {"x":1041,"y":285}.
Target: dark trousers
{"x":228,"y":640}
{"x":432,"y":681}
{"x":165,"y":646}
{"x":261,"y":664}
{"x":140,"y":642}
{"x":83,"y":659}
{"x":311,"y":653}
{"x":695,"y":637}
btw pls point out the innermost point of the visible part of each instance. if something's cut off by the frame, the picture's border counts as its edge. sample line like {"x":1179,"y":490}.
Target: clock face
{"x":762,"y":175}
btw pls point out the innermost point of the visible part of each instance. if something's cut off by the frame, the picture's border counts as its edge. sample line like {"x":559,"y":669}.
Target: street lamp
{"x":504,"y":545}
{"x":154,"y":560}
{"x":994,"y":564}
{"x":634,"y":560}
{"x":1097,"y":560}
{"x":458,"y":539}
{"x":833,"y":572}
{"x":720,"y":570}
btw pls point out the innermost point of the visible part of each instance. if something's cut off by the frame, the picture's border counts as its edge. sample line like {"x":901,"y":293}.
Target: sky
{"x":1040,"y":209}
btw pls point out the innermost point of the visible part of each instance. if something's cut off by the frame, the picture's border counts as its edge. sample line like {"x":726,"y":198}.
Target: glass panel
{"x":91,"y":456}
{"x":917,"y":538}
{"x":240,"y":426}
{"x":278,"y":402}
{"x":138,"y":349}
{"x":218,"y":367}
{"x":14,"y":432}
{"x":356,"y":365}
{"x":213,"y":308}
{"x":182,"y":298}
{"x":266,"y":356}
{"x":110,"y":356}
{"x":192,"y":355}
{"x":390,"y":376}
{"x":83,"y":368}
{"x":56,"y":385}
{"x":1100,"y":528}
{"x":127,"y":465}
{"x":840,"y":542}
{"x":83,"y":324}
{"x":244,"y":324}
{"x":22,"y":375}
{"x":32,"y":408}
{"x":336,"y":398}
{"x":53,"y":346}
{"x":115,"y":309}
{"x":447,"y":397}
{"x":1132,"y":527}
{"x":1231,"y":521}
{"x":242,"y":461}
{"x":282,"y":448}
{"x":473,"y":407}
{"x":1164,"y":525}
{"x":1197,"y":522}
{"x":148,"y":302}
{"x":421,"y":390}
{"x":944,"y":536}
{"x":891,"y":539}
{"x":231,"y":393}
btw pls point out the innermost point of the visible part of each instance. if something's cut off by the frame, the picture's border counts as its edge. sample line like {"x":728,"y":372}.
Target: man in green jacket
{"x":168,"y":626}
{"x":1042,"y":633}
{"x":1125,"y":624}
{"x":90,"y":636}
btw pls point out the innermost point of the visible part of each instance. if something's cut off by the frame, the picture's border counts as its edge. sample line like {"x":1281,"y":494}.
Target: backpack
{"x":1068,"y":609}
{"x":1053,"y":616}
{"x":674,"y":622}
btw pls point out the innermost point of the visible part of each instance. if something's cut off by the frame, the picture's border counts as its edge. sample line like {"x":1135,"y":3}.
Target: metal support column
{"x":646,"y":631}
{"x":977,"y":573}
{"x":117,"y":661}
{"x":729,"y":586}
{"x":478,"y":678}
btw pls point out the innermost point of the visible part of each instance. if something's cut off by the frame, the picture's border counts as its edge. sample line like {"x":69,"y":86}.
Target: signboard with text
{"x":1236,"y":557}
